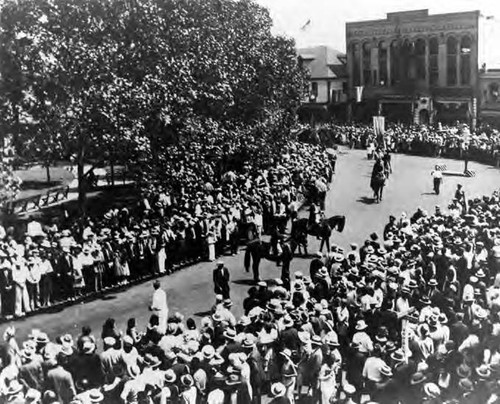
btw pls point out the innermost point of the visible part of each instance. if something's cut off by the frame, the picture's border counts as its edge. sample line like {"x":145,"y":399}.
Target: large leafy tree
{"x":124,"y":79}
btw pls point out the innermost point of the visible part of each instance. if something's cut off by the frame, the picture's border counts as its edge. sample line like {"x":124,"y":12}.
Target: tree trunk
{"x":47,"y":169}
{"x":112,"y":168}
{"x":82,"y":187}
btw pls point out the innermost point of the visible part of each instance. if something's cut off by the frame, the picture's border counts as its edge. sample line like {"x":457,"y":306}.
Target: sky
{"x":328,"y":18}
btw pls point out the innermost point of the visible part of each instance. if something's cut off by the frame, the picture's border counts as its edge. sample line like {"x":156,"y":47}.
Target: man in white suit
{"x":159,"y":306}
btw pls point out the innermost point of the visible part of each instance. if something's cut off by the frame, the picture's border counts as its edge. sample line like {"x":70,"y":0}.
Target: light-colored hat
{"x":109,"y":341}
{"x":432,"y":390}
{"x":95,"y":396}
{"x":170,"y":376}
{"x":361,"y":325}
{"x":278,"y":390}
{"x":208,"y":352}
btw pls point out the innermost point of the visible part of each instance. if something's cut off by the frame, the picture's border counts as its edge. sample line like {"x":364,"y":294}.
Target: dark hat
{"x":466,"y":385}
{"x":463,"y":371}
{"x":233,"y":379}
{"x":248,"y":343}
{"x":417,"y":378}
{"x":230,"y":334}
{"x":187,"y":380}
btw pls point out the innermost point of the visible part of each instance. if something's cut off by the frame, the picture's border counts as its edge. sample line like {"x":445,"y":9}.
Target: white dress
{"x":327,"y":383}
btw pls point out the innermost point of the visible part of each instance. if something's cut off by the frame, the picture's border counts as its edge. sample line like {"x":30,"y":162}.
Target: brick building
{"x":415,"y":67}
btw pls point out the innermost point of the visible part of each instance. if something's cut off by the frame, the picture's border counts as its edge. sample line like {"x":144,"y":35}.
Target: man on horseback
{"x":377,"y":182}
{"x":314,"y":216}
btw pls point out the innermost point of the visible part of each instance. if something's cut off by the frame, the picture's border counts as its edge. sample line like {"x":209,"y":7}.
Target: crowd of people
{"x":440,"y":141}
{"x":411,"y":316}
{"x":198,"y":216}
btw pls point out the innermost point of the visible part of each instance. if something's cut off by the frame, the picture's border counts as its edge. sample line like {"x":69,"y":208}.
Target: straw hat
{"x":187,"y":380}
{"x":361,"y":325}
{"x":278,"y":389}
{"x":432,"y":390}
{"x":386,"y":371}
{"x":170,"y":376}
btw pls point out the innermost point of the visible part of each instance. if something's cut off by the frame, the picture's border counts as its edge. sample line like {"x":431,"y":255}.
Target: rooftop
{"x":324,"y":62}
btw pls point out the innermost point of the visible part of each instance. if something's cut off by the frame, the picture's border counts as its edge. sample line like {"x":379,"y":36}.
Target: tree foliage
{"x":114,"y":79}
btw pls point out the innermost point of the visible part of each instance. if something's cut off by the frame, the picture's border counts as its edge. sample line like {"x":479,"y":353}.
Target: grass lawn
{"x":35,"y":180}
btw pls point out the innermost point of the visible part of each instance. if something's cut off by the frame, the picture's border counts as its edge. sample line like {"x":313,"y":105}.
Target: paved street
{"x":190,"y":290}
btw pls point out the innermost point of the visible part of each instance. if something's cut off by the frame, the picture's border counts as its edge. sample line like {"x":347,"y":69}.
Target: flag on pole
{"x":359,"y":93}
{"x":306,"y":25}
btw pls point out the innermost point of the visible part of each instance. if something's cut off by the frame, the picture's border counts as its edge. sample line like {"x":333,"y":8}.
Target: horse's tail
{"x":248,"y":257}
{"x":341,"y":224}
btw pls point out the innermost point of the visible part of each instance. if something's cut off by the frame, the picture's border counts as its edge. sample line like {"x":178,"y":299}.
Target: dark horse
{"x":323,"y":230}
{"x":255,"y":251}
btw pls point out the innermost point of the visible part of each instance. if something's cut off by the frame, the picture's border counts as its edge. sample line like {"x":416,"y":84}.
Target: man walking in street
{"x":437,"y":178}
{"x":159,"y":305}
{"x":221,"y":280}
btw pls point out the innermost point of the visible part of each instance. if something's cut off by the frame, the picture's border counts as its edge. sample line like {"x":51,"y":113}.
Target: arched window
{"x":465,"y":63}
{"x":451,"y":61}
{"x":366,"y":63}
{"x":433,"y":61}
{"x":420,"y":48}
{"x":382,"y":63}
{"x":356,"y":65}
{"x":395,"y":63}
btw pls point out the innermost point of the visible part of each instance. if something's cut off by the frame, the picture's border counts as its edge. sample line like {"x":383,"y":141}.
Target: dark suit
{"x":65,"y":272}
{"x":61,"y":382}
{"x":221,"y":282}
{"x":286,"y":258}
{"x":315,"y":265}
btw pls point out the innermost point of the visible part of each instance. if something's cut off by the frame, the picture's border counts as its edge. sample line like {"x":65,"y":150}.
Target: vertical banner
{"x":474,"y":115}
{"x":359,"y":93}
{"x":379,"y":129}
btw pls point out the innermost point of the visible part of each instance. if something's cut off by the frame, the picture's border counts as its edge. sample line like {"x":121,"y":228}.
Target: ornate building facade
{"x":415,"y":67}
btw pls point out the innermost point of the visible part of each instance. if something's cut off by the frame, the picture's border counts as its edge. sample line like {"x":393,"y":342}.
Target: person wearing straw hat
{"x":133,"y":385}
{"x":31,"y":373}
{"x":310,"y":366}
{"x":59,"y":380}
{"x":327,"y":380}
{"x":362,"y":338}
{"x":278,"y":394}
{"x":188,"y":393}
{"x":216,"y":386}
{"x":288,"y":374}
{"x":15,"y":393}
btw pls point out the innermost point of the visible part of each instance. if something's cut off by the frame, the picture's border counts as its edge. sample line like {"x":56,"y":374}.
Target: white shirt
{"x":46,"y":267}
{"x":159,"y":302}
{"x":437,"y":174}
